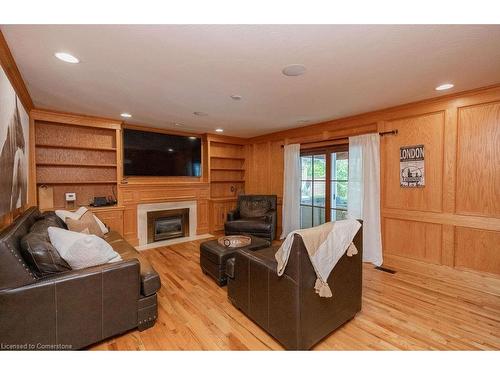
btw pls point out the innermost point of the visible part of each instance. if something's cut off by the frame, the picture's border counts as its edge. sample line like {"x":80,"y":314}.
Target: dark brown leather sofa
{"x":287,"y":306}
{"x":255,"y":215}
{"x":75,"y":308}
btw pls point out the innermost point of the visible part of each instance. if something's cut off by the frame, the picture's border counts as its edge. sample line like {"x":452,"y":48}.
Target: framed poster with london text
{"x":412,"y":171}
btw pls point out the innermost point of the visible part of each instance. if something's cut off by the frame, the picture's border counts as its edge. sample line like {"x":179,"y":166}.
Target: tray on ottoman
{"x":213,"y":256}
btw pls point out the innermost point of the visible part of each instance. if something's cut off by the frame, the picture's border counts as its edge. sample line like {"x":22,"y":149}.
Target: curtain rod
{"x":390,"y":132}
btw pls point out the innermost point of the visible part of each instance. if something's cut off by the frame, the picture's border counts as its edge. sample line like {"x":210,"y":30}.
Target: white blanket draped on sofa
{"x":325,"y":244}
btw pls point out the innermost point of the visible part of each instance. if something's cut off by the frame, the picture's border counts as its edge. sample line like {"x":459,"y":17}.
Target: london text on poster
{"x":412,"y":172}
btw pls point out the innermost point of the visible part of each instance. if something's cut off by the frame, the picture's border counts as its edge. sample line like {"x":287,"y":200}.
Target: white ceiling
{"x":161,"y":74}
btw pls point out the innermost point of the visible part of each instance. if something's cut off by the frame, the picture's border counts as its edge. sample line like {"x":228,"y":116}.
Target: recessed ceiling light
{"x":126,"y":115}
{"x":294,"y":70}
{"x":236,"y":97}
{"x":219,"y":130}
{"x":197,"y":113}
{"x":66,"y":57}
{"x":178,"y":124}
{"x":192,"y":138}
{"x":170,"y":150}
{"x":445,"y":86}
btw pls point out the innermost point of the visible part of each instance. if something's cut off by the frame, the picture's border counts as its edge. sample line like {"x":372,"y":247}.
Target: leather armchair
{"x":255,"y":215}
{"x":287,"y":306}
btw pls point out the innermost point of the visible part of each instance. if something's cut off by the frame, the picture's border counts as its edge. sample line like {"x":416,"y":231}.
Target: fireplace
{"x":167,"y":224}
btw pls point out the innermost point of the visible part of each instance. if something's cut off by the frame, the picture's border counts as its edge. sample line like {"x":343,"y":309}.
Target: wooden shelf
{"x":226,"y":157}
{"x":82,"y":165}
{"x":223,"y":199}
{"x":92,"y":208}
{"x":66,"y":147}
{"x":228,"y":169}
{"x":76,"y":182}
{"x":222,"y":181}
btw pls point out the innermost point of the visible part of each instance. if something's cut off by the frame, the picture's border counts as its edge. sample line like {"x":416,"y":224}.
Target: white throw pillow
{"x":63,"y":214}
{"x":81,"y":250}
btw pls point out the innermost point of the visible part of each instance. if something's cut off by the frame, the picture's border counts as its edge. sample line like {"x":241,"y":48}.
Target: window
{"x":338,"y":185}
{"x":313,"y":190}
{"x":323,"y":186}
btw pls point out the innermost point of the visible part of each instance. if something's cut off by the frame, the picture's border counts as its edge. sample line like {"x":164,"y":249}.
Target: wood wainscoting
{"x":455,"y":219}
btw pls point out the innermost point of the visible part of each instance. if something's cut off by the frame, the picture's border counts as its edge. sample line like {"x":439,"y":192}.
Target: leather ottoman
{"x":213,"y":257}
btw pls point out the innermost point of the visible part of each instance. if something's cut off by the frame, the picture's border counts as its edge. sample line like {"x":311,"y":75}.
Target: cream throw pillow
{"x":63,"y":214}
{"x":82,"y":250}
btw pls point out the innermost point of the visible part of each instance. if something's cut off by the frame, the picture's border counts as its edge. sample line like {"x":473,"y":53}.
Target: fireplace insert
{"x":168,"y":224}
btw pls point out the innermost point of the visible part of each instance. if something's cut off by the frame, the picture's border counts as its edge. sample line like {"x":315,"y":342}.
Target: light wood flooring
{"x":421,"y":307}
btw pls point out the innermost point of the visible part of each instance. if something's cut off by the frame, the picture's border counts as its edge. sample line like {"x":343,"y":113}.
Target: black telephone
{"x":103,"y":201}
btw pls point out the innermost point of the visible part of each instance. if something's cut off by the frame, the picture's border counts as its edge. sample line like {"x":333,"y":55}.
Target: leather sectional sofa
{"x":75,"y":308}
{"x":287,"y":306}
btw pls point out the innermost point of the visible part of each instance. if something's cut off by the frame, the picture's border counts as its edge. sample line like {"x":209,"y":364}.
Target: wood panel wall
{"x":455,"y":219}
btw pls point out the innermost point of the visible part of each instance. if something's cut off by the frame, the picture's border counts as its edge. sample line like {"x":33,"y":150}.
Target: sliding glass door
{"x":338,"y":185}
{"x":323,"y":186}
{"x":313,"y":190}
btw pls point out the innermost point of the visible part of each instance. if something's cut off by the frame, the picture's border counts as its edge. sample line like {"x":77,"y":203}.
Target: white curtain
{"x":364,"y":192}
{"x":291,"y":190}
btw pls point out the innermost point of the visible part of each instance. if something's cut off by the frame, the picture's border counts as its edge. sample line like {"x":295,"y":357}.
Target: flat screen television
{"x":158,"y":154}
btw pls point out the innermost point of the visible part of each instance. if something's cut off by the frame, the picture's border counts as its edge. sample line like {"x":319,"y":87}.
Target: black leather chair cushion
{"x":42,"y":225}
{"x":52,"y":216}
{"x":41,"y":256}
{"x":254,"y":208}
{"x":252,"y":225}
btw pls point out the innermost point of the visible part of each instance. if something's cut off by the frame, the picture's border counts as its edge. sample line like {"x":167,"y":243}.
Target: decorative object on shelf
{"x":235,"y":241}
{"x":103,"y":201}
{"x":45,"y":197}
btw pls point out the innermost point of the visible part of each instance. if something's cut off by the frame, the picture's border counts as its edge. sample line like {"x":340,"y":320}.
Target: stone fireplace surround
{"x":142,"y":223}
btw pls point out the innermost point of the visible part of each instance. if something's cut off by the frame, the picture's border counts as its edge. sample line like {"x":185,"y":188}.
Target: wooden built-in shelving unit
{"x":76,"y":158}
{"x":227,"y":169}
{"x":227,"y":178}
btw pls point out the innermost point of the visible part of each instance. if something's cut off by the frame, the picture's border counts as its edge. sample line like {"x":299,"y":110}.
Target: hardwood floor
{"x":421,"y":307}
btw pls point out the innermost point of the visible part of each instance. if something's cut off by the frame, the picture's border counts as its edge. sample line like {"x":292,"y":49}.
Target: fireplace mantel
{"x":137,"y":193}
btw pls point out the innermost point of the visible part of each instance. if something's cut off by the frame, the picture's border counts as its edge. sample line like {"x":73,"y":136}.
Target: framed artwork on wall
{"x":14,"y":137}
{"x":412,"y":169}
